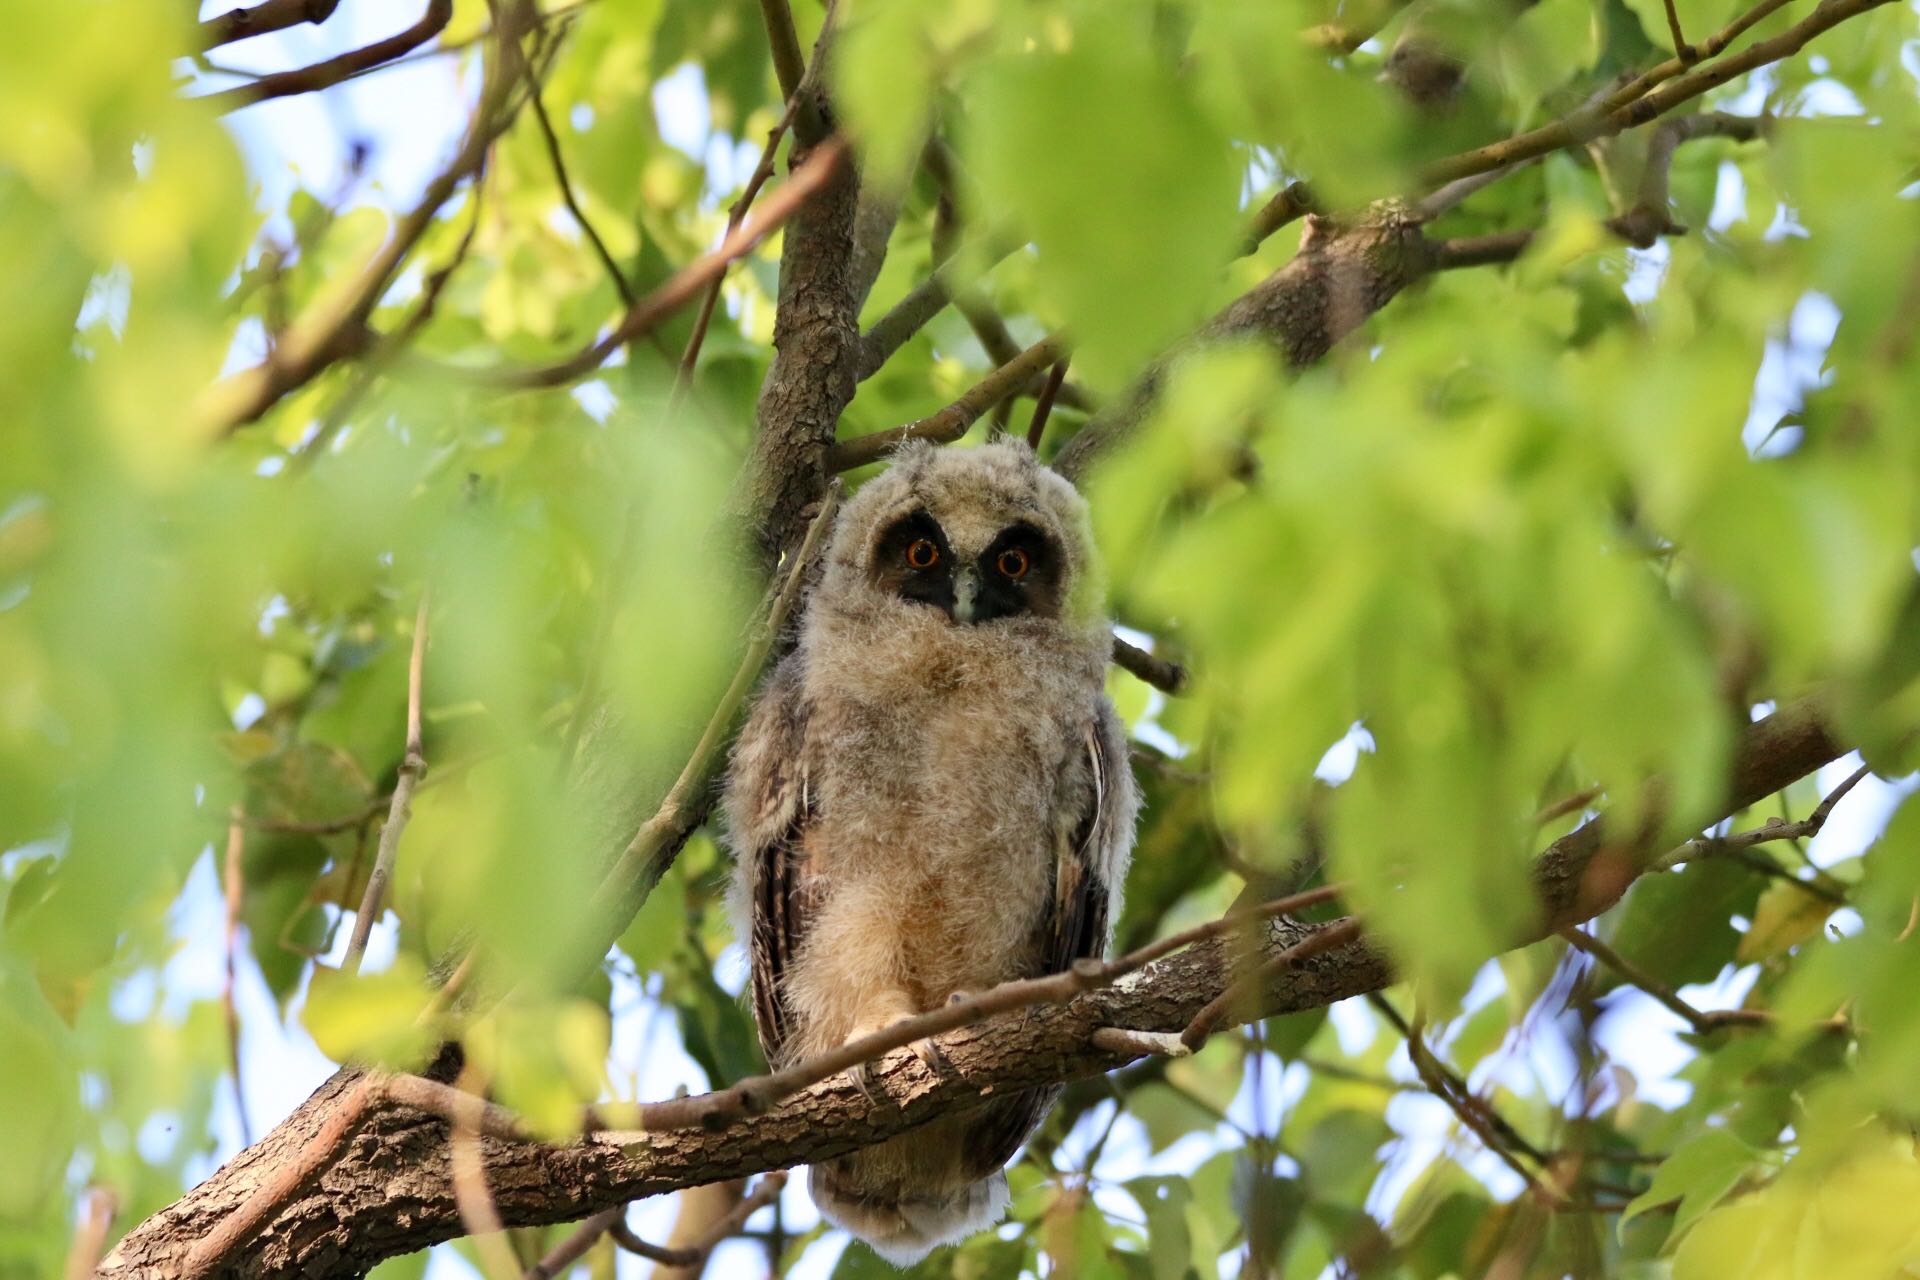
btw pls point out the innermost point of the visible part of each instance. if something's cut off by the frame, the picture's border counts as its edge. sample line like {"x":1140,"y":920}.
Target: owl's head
{"x":978,"y":536}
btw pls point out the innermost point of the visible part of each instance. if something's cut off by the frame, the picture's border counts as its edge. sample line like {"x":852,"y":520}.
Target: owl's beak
{"x":966,"y":591}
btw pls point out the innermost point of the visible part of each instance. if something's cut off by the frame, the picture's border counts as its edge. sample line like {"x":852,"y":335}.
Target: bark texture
{"x":389,"y":1193}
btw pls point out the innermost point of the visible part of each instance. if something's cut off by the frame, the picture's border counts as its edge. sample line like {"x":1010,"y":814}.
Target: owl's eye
{"x":1014,"y":563}
{"x":922,"y":554}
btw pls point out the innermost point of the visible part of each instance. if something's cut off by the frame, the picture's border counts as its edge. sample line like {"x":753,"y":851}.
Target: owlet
{"x":931,"y":797}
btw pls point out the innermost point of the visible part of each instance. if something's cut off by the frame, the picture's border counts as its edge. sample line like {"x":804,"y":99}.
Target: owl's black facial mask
{"x":1018,"y":574}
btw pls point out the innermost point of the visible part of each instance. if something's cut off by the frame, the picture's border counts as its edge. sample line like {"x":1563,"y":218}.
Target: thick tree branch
{"x":340,"y":1221}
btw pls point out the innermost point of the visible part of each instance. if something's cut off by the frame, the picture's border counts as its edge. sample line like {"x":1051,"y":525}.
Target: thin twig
{"x":618,"y":566}
{"x":1681,"y":48}
{"x":233,"y":887}
{"x":1640,"y":226}
{"x":565,"y":183}
{"x":650,"y":311}
{"x":1635,"y":87}
{"x":1290,"y":202}
{"x":1321,"y":940}
{"x":1701,"y":1021}
{"x":394,"y":343}
{"x":1456,"y":192}
{"x":1772,"y":829}
{"x":413,"y":766}
{"x":90,"y":1236}
{"x":1042,"y":407}
{"x":332,"y":71}
{"x":1614,"y":116}
{"x":736,"y":214}
{"x":1567,"y":804}
{"x":923,"y":302}
{"x":756,"y":1094}
{"x":575,"y":1246}
{"x":1168,"y":677}
{"x":1480,"y":251}
{"x":467,"y":1171}
{"x":337,"y":328}
{"x":763,"y":1194}
{"x":950,"y":423}
{"x":648,"y":854}
{"x":1473,"y":1114}
{"x":1650,"y":218}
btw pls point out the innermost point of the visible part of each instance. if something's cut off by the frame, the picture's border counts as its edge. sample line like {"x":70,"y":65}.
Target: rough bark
{"x":816,"y":341}
{"x":388,"y":1193}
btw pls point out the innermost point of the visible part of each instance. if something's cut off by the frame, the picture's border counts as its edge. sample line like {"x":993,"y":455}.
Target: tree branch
{"x":262,"y":19}
{"x":413,"y":767}
{"x":1614,"y":117}
{"x":818,"y":172}
{"x":565,"y":183}
{"x":344,"y":1223}
{"x":332,"y":71}
{"x":327,"y":333}
{"x":1167,"y":677}
{"x":920,"y":304}
{"x":950,"y":423}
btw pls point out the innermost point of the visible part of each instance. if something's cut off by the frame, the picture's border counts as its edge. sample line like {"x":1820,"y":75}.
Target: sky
{"x":405,"y":121}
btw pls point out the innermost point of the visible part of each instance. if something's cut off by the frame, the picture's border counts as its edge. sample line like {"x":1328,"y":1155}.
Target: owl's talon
{"x":934,"y":1059}
{"x":860,"y":1076}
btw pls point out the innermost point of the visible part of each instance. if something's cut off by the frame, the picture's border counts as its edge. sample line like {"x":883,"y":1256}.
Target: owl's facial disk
{"x":1016,"y":574}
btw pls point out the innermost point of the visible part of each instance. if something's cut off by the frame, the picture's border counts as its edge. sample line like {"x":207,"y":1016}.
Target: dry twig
{"x":413,"y":766}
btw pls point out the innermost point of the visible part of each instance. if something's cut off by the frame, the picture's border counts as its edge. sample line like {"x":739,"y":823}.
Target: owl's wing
{"x":1089,"y":873}
{"x":1078,"y":917}
{"x":769,"y":811}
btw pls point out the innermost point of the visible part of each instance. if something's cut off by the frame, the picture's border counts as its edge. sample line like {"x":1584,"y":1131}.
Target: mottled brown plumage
{"x":932,"y":797}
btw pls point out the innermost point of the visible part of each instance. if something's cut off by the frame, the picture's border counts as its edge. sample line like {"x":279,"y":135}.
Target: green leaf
{"x":1787,"y":915}
{"x":1678,"y":924}
{"x":376,"y":1019}
{"x":1550,"y":43}
{"x":1130,"y":268}
{"x":1164,"y":1201}
{"x":1699,"y":1175}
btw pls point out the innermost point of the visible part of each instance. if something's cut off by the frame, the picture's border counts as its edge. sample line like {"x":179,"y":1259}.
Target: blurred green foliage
{"x":1535,"y":529}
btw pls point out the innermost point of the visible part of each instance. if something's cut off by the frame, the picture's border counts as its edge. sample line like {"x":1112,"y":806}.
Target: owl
{"x":931,"y":797}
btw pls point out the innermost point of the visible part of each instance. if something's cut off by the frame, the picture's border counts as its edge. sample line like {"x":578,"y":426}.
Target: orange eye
{"x":1014,"y":562}
{"x":923,"y":554}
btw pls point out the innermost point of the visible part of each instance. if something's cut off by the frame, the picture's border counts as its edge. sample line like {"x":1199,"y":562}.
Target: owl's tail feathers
{"x":903,"y":1231}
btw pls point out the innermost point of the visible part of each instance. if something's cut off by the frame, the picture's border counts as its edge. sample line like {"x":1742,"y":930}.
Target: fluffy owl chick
{"x":932,"y":796}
